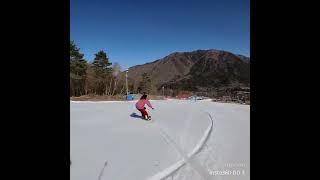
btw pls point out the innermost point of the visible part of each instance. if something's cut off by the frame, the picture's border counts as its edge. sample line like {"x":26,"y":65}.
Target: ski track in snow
{"x":173,"y":168}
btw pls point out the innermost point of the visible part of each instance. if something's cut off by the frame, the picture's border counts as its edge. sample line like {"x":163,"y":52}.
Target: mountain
{"x":201,"y":70}
{"x":244,"y":58}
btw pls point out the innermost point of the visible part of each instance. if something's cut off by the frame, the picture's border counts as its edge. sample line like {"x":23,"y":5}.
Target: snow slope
{"x":178,"y":144}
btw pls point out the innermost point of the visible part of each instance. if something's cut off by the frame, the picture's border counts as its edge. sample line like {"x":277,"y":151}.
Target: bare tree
{"x":116,"y":73}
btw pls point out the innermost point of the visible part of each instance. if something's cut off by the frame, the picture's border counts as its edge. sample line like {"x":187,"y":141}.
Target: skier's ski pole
{"x":102,"y":170}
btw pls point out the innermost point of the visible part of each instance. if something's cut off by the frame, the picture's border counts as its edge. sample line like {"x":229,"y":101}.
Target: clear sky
{"x":139,"y":31}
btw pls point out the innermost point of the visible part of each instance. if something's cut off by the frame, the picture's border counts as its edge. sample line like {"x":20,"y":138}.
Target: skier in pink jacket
{"x":140,"y":106}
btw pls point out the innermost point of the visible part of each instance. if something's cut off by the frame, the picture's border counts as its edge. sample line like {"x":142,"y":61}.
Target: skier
{"x":140,"y":106}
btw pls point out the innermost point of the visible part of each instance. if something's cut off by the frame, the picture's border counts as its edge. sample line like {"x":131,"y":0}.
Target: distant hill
{"x":201,"y":70}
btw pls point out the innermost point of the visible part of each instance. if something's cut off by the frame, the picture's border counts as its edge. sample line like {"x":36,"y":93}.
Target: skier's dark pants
{"x":143,"y":112}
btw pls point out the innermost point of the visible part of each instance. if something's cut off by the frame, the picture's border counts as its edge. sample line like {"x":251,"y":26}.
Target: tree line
{"x":103,"y":78}
{"x":100,"y":77}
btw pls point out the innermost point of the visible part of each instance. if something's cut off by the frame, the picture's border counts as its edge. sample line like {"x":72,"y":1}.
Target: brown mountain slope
{"x":196,"y":69}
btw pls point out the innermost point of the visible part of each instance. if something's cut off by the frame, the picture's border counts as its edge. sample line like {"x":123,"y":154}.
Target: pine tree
{"x":145,"y":85}
{"x":78,"y":68}
{"x":103,"y":73}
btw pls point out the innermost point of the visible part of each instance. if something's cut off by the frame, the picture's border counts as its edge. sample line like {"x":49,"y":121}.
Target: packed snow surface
{"x":186,"y":140}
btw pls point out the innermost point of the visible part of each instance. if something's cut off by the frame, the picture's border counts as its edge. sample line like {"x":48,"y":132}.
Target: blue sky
{"x":139,"y":31}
